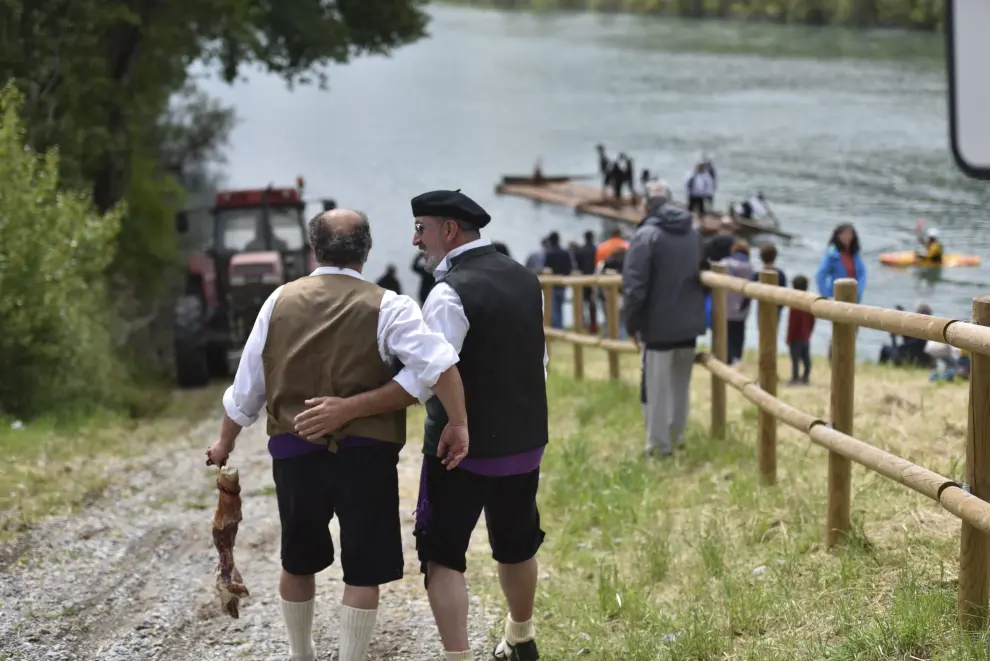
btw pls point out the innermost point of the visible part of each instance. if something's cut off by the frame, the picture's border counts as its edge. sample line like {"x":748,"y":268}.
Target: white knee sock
{"x":518,"y":632}
{"x":298,"y":617}
{"x":356,"y":628}
{"x":459,"y":656}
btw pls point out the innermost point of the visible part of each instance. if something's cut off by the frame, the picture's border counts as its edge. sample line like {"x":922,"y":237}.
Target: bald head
{"x":340,"y":237}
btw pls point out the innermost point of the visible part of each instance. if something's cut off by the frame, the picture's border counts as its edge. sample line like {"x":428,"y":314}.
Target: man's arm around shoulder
{"x":429,"y":365}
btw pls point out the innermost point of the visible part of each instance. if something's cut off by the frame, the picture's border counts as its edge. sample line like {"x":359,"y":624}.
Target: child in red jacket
{"x":799,"y":327}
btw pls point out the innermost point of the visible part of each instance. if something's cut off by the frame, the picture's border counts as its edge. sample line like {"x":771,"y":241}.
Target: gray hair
{"x":659,"y":191}
{"x":340,"y":246}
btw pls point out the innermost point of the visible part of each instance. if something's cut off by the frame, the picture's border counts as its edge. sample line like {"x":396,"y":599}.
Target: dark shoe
{"x":522,"y":652}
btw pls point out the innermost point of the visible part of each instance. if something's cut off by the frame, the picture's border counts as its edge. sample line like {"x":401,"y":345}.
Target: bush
{"x":56,"y":346}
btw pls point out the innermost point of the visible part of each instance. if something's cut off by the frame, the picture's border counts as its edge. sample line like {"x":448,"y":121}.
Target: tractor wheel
{"x":216,"y":360}
{"x":191,"y":367}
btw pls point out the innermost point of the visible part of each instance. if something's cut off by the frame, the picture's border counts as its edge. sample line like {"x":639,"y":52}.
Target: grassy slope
{"x":690,"y":558}
{"x":50,"y":467}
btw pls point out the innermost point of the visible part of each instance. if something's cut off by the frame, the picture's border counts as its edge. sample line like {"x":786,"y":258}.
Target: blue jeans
{"x":557,"y":307}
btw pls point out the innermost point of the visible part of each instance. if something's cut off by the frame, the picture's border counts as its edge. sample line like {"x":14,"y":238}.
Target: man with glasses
{"x":490,"y":308}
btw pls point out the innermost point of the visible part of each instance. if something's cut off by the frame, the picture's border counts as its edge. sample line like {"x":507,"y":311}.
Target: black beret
{"x":450,"y":204}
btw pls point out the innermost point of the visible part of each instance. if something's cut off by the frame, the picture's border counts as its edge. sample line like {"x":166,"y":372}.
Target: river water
{"x":834,"y":125}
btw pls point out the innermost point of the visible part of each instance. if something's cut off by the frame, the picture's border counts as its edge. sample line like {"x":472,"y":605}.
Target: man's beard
{"x":430,"y":262}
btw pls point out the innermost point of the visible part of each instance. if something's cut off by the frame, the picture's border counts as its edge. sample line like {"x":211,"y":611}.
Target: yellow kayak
{"x":909,"y":258}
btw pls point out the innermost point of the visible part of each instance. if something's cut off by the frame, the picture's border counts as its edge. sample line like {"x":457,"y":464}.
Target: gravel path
{"x":131,"y":576}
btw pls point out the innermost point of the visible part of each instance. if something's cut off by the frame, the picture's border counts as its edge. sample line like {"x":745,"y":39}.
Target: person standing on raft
{"x":333,"y":333}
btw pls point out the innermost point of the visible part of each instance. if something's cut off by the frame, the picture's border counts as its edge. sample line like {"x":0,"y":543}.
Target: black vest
{"x":501,"y":361}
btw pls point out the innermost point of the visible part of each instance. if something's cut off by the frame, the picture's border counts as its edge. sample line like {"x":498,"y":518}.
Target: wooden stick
{"x":837,"y":519}
{"x":612,"y":316}
{"x":720,"y":348}
{"x":974,"y":545}
{"x":577,"y":308}
{"x":767,"y":454}
{"x":928,"y":483}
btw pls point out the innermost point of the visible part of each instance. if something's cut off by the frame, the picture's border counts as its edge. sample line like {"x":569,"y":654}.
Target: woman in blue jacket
{"x":841,"y":260}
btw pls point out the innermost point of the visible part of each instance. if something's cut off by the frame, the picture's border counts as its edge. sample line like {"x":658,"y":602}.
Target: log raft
{"x":564,"y":191}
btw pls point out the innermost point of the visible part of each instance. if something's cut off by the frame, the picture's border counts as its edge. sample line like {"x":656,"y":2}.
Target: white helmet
{"x":931,"y":233}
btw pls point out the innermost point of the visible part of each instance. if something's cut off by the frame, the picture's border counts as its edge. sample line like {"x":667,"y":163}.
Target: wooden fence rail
{"x":968,"y":501}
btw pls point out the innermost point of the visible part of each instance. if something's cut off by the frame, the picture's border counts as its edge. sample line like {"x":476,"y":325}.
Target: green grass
{"x":52,"y":466}
{"x":691,"y":558}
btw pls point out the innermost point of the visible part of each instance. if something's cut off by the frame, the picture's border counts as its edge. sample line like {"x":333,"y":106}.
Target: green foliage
{"x":913,"y":14}
{"x":100,"y":78}
{"x":56,"y":350}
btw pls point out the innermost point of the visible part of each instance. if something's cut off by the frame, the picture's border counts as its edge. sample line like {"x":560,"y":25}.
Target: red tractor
{"x":257,"y":242}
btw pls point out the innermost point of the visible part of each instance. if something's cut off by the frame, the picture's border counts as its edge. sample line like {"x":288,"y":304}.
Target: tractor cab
{"x":257,"y":243}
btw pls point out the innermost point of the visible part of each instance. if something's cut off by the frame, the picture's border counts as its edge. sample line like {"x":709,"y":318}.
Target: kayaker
{"x":933,"y":247}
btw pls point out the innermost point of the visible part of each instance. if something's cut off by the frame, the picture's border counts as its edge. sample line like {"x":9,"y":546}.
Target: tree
{"x":98,"y":77}
{"x":56,"y":349}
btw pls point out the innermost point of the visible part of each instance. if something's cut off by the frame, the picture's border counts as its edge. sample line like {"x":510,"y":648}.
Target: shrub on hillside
{"x":56,"y":349}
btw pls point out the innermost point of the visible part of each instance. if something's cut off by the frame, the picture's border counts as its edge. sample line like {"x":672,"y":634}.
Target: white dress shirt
{"x":444,"y":312}
{"x":402,"y":334}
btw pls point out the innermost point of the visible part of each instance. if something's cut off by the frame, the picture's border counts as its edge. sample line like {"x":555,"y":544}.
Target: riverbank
{"x":690,"y":558}
{"x":903,"y":15}
{"x":54,"y":467}
{"x":687,"y":558}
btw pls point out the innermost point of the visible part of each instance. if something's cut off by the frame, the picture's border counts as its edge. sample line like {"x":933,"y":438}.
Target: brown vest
{"x":322,"y":341}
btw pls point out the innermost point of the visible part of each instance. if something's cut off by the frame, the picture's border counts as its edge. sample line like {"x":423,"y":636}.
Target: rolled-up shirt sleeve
{"x":424,"y":353}
{"x":244,"y":399}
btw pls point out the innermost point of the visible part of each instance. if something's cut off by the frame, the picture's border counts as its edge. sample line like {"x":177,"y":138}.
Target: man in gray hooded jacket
{"x":664,"y":308}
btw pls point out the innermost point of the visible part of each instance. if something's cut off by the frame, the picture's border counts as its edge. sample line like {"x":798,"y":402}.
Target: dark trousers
{"x":696,"y":204}
{"x":589,"y":299}
{"x":736,"y":340}
{"x":800,"y":355}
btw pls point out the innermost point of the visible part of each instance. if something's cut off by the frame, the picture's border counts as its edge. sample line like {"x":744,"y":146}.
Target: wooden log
{"x":974,"y":545}
{"x":964,"y":335}
{"x":837,"y":519}
{"x":612,"y":318}
{"x":750,"y":390}
{"x":767,"y":452}
{"x":917,"y":478}
{"x":720,"y":349}
{"x":926,"y":482}
{"x":961,"y":334}
{"x":577,"y":310}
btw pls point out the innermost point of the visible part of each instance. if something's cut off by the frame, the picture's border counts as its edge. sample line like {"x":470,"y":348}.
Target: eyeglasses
{"x":419,"y":227}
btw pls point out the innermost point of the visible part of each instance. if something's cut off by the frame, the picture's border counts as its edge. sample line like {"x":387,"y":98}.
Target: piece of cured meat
{"x":229,"y":583}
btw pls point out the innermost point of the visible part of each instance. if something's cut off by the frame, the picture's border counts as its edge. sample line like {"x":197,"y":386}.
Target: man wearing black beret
{"x":490,"y":308}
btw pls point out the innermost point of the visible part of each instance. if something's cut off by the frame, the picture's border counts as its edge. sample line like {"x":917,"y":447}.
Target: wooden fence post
{"x":577,"y":307}
{"x":837,"y":521}
{"x":768,"y":317}
{"x":719,"y":350}
{"x":547,"y":309}
{"x":974,"y":548}
{"x":612,"y":316}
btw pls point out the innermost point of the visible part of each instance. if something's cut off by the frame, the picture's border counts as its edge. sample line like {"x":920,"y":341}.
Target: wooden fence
{"x":966,"y":501}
